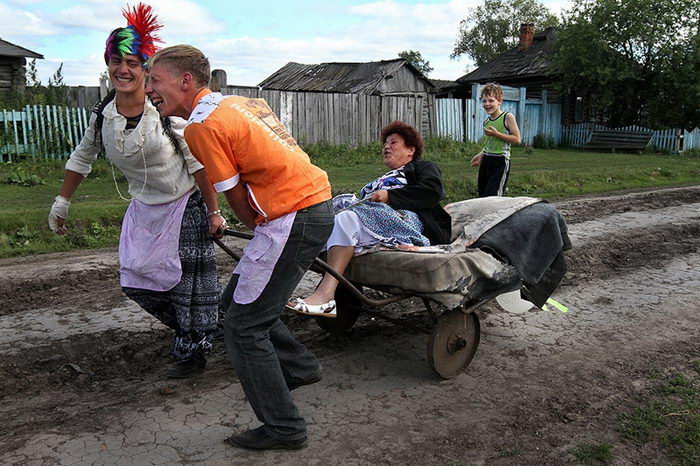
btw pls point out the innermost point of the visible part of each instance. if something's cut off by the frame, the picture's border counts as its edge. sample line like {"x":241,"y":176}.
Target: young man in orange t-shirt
{"x":273,"y":187}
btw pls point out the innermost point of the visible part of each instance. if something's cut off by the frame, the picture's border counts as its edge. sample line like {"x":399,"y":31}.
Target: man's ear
{"x":187,"y":81}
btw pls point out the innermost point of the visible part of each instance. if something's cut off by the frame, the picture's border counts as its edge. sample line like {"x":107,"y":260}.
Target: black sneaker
{"x":188,"y":368}
{"x":257,"y":439}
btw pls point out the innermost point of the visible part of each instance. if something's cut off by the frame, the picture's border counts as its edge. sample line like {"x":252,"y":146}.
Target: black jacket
{"x":422,"y":195}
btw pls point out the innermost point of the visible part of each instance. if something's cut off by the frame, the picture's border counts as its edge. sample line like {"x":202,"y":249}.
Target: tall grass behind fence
{"x":41,"y":131}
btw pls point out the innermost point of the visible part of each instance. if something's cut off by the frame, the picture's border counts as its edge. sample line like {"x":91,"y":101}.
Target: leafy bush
{"x":22,"y":237}
{"x":20,"y":176}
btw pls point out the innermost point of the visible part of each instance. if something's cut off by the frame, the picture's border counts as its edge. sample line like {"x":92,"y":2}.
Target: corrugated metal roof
{"x":9,"y":49}
{"x":352,"y":78}
{"x":529,"y":63}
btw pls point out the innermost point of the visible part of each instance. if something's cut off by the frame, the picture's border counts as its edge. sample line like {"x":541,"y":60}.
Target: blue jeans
{"x":263,"y":352}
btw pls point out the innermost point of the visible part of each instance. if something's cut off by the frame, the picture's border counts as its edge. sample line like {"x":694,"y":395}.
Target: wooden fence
{"x":672,"y":140}
{"x":351,"y":119}
{"x":41,"y":130}
{"x":53,"y":132}
{"x":462,"y":119}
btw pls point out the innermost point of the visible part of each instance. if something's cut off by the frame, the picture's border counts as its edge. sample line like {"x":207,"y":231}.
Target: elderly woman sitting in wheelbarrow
{"x":401,"y":207}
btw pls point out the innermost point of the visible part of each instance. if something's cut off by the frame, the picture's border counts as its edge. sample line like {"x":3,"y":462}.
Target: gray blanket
{"x":499,"y":244}
{"x":532,"y":240}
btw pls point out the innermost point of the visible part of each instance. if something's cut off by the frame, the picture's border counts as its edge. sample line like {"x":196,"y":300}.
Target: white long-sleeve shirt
{"x":167,"y":174}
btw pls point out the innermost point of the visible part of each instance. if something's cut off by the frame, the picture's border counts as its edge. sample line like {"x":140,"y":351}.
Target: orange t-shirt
{"x":239,"y":139}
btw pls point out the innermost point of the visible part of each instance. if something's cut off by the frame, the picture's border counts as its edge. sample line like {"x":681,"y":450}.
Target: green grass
{"x":28,"y":188}
{"x":593,"y":453}
{"x":669,"y":418}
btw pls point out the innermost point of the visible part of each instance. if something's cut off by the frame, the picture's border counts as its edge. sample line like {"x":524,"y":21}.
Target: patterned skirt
{"x":382,"y":224}
{"x":191,"y":307}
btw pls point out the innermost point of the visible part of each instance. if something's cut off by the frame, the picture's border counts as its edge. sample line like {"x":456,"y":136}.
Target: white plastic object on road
{"x":512,"y":302}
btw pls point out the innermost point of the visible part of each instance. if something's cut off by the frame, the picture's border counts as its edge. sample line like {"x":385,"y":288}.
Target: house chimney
{"x":527,"y":32}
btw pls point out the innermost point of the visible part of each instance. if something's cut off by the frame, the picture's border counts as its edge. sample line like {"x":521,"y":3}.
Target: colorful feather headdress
{"x":138,"y":37}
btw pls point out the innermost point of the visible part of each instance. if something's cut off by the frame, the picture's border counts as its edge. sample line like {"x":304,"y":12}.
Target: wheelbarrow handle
{"x":321,"y":264}
{"x":237,"y":234}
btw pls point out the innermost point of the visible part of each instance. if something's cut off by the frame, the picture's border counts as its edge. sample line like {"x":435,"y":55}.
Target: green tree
{"x":415,"y":59}
{"x":636,"y":61}
{"x":493,"y":28}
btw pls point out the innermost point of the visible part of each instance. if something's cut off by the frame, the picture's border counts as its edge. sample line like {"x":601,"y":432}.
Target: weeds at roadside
{"x":670,"y":418}
{"x":535,"y":172}
{"x":21,"y":176}
{"x":593,"y":453}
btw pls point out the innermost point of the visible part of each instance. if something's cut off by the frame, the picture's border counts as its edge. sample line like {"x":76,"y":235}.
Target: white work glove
{"x":58,"y":209}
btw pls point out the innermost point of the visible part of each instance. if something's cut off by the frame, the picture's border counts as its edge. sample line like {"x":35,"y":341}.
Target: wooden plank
{"x":324,"y":103}
{"x":39,"y":131}
{"x":48,"y":132}
{"x":3,"y":148}
{"x":14,"y":129}
{"x":62,"y":132}
{"x":25,"y":117}
{"x":333,"y":115}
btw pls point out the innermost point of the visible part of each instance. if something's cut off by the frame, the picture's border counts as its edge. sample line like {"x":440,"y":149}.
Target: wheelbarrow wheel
{"x":347,"y":310}
{"x":453,"y":343}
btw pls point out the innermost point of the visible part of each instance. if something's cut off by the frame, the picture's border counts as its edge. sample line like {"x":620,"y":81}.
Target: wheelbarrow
{"x":454,"y":332}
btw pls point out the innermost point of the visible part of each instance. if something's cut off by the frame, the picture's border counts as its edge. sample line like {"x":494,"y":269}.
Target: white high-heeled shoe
{"x":319,"y":310}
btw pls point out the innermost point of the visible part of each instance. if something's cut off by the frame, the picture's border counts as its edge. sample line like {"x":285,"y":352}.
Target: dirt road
{"x":81,"y":367}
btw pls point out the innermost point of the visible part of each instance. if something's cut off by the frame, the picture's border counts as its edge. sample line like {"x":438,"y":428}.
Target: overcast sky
{"x":249,"y":40}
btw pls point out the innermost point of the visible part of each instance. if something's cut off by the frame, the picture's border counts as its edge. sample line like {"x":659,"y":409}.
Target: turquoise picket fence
{"x":41,"y":131}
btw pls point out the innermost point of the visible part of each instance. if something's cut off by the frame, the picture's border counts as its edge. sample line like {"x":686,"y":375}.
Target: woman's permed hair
{"x":410,"y":135}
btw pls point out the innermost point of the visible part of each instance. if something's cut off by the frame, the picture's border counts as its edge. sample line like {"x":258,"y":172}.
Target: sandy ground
{"x":81,"y":367}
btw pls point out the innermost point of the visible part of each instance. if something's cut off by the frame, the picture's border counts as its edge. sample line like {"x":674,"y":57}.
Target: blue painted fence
{"x":41,"y":130}
{"x":462,"y":120}
{"x":672,"y":140}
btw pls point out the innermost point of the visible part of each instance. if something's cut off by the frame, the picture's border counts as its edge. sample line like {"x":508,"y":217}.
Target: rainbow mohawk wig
{"x":138,"y":37}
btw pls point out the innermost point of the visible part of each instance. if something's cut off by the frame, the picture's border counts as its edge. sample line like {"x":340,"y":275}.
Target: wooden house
{"x":386,"y":77}
{"x":13,"y":59}
{"x":447,"y":89}
{"x":527,"y":65}
{"x":410,"y":90}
